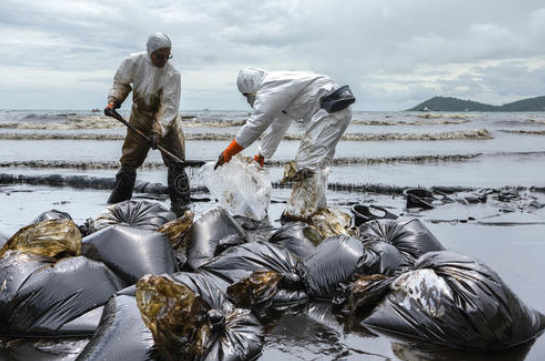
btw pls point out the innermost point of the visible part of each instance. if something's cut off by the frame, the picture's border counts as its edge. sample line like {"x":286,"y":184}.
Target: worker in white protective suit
{"x":156,"y":91}
{"x":279,"y":98}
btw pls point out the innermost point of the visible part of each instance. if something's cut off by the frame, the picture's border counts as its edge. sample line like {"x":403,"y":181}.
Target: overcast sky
{"x":393,"y":53}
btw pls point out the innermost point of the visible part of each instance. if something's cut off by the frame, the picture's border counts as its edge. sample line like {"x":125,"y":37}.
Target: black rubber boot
{"x":124,"y":184}
{"x":178,"y":189}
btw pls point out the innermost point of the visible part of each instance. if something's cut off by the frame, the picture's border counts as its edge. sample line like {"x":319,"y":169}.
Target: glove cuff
{"x":231,"y":150}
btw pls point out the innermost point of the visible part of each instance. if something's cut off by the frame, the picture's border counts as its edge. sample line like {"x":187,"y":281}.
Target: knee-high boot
{"x":124,"y":184}
{"x":178,"y":189}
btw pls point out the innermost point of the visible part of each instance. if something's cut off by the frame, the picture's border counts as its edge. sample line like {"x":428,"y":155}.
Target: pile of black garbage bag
{"x":148,"y":286}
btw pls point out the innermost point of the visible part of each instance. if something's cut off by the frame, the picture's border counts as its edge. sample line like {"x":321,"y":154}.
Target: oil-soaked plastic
{"x":178,"y":229}
{"x":131,"y":253}
{"x":297,"y":237}
{"x":331,"y":222}
{"x":189,"y":317}
{"x":333,"y":262}
{"x":143,"y":215}
{"x":213,"y":232}
{"x":365,"y":291}
{"x":52,"y":214}
{"x":411,"y":237}
{"x":457,"y":301}
{"x":41,"y":296}
{"x":48,"y":238}
{"x":122,"y":334}
{"x":240,"y":262}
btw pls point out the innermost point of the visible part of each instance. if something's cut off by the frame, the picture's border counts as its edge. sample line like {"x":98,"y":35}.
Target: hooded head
{"x":158,"y":41}
{"x":249,"y":80}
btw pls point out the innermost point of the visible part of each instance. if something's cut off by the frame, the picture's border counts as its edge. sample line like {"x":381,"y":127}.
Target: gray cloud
{"x":394,"y":54}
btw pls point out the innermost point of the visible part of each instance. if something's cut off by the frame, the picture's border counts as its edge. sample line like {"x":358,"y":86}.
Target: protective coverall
{"x":155,"y":111}
{"x":278,"y":99}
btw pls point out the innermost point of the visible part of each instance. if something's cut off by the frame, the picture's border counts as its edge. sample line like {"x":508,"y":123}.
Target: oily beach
{"x":489,"y":165}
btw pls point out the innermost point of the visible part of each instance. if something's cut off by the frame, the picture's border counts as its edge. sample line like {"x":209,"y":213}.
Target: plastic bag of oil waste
{"x":178,"y":230}
{"x":457,"y":301}
{"x":297,"y":237}
{"x":50,"y":215}
{"x":48,"y":238}
{"x":308,"y":194}
{"x":131,"y":253}
{"x":45,"y":296}
{"x":333,"y":262}
{"x":241,"y":186}
{"x":143,"y":215}
{"x":121,"y":334}
{"x":331,"y":222}
{"x":265,"y":274}
{"x":411,"y":237}
{"x":213,"y":232}
{"x":191,"y":320}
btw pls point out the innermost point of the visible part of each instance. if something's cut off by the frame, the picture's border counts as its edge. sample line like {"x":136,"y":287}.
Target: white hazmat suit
{"x":278,"y":99}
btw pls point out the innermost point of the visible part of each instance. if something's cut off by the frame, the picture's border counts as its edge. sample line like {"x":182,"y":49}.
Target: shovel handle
{"x":186,"y":163}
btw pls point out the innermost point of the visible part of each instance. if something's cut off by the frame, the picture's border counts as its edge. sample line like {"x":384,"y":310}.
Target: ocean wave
{"x":442,"y":115}
{"x":524,"y":132}
{"x":411,"y":123}
{"x":466,"y":134}
{"x":86,"y":165}
{"x":358,"y":137}
{"x":75,"y":123}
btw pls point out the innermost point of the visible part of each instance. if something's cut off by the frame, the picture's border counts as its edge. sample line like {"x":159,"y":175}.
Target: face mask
{"x":250,"y":98}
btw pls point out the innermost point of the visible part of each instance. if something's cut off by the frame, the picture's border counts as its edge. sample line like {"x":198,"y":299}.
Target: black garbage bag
{"x":131,"y":253}
{"x":411,"y":237}
{"x":41,"y":295}
{"x":52,"y":214}
{"x":455,"y":300}
{"x":191,"y":320}
{"x":142,"y":215}
{"x":333,"y":262}
{"x":382,"y":258}
{"x":265,"y":274}
{"x":297,"y":237}
{"x":212,"y":233}
{"x":42,"y":349}
{"x":121,"y":334}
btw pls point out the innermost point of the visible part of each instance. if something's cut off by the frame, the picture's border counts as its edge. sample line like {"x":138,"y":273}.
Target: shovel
{"x":185,"y":163}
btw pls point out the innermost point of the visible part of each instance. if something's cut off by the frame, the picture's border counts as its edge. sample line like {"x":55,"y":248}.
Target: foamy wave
{"x":467,"y":134}
{"x":60,"y":164}
{"x":530,"y":132}
{"x":402,"y":122}
{"x":359,"y":137}
{"x":73,"y":123}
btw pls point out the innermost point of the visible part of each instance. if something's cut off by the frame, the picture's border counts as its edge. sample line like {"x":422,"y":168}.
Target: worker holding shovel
{"x":156,"y":90}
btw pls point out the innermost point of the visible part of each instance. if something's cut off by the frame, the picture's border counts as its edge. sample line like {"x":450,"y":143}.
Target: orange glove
{"x":228,"y":153}
{"x":259,"y":159}
{"x":111,"y":106}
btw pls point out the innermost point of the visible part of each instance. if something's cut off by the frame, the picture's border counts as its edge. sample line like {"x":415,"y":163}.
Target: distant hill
{"x":459,"y":105}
